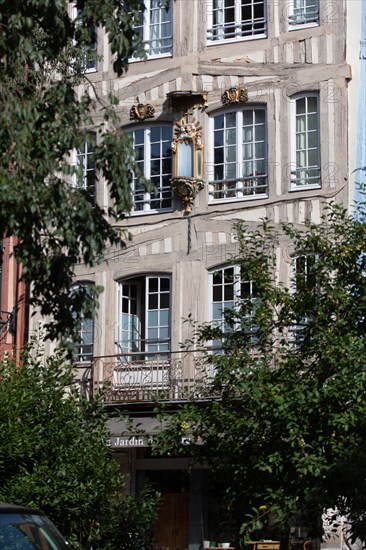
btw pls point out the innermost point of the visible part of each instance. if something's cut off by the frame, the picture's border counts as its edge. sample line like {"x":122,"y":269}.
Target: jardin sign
{"x":130,"y":441}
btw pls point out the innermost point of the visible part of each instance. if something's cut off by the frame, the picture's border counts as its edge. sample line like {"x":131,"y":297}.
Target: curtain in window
{"x":218,"y":19}
{"x":304,"y":11}
{"x":155,"y":26}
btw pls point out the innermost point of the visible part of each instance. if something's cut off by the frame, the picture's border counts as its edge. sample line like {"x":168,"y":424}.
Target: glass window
{"x":156,"y":28}
{"x":91,"y":64}
{"x":228,"y":289}
{"x":85,"y":337}
{"x":304,"y":280}
{"x":236,"y":19}
{"x":84,"y":345}
{"x":89,"y":40}
{"x":154,"y":159}
{"x":144,"y":315}
{"x":1,"y":271}
{"x":303,"y":12}
{"x":306,"y":148}
{"x":239,"y":155}
{"x":86,"y":175}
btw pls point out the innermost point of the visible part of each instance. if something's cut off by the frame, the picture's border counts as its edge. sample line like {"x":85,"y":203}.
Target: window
{"x":155,"y":28}
{"x":240,"y":155}
{"x":304,"y":279}
{"x":236,"y":19}
{"x":154,"y":159}
{"x":144,"y":310}
{"x":306,"y":149}
{"x":1,"y":271}
{"x":85,"y":336}
{"x":85,"y":178}
{"x":303,"y":12}
{"x":88,"y":38}
{"x":91,"y":59}
{"x":228,"y":289}
{"x":84,"y":343}
{"x":304,"y":267}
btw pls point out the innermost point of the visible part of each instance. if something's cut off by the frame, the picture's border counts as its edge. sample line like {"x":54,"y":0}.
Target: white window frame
{"x":148,"y":24}
{"x":81,"y":159}
{"x":82,"y":356}
{"x":300,"y":20}
{"x":241,"y":187}
{"x":148,"y":196}
{"x":299,"y":181}
{"x":93,"y":62}
{"x":237,"y":283}
{"x":240,"y":25}
{"x":296,"y":330}
{"x":143,"y":343}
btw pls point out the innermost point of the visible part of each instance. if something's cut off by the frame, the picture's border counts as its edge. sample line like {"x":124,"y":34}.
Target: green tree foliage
{"x":54,"y":455}
{"x":285,"y":426}
{"x":42,"y":118}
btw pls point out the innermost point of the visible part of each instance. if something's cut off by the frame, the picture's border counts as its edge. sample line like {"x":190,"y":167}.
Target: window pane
{"x":153,"y":284}
{"x":216,"y":310}
{"x":300,"y":106}
{"x":300,"y":124}
{"x":152,"y":333}
{"x":152,"y":318}
{"x":260,"y":132}
{"x":155,"y":150}
{"x":230,"y":136}
{"x":301,"y":141}
{"x":230,"y":171}
{"x":313,"y":157}
{"x":259,"y":150}
{"x":230,"y":120}
{"x":164,"y":317}
{"x":219,"y":122}
{"x":313,"y":139}
{"x":312,"y":104}
{"x":217,"y":293}
{"x":219,"y":155}
{"x":155,"y":133}
{"x":164,"y":333}
{"x":217,"y":277}
{"x":153,"y":301}
{"x":228,"y":292}
{"x":230,"y":154}
{"x":312,"y":122}
{"x":164,"y":283}
{"x":164,"y":301}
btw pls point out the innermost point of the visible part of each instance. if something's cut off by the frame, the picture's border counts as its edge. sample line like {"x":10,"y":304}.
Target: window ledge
{"x":211,"y":42}
{"x":299,"y":26}
{"x":89,"y":71}
{"x":149,"y":212}
{"x":150,"y":58}
{"x":305,"y":187}
{"x":238,"y":199}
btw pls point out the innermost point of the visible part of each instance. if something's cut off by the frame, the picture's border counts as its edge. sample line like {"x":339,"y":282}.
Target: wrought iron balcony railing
{"x":137,"y":377}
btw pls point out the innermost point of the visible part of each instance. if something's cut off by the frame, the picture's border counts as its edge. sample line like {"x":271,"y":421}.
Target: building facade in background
{"x":243,"y":109}
{"x":13,"y":303}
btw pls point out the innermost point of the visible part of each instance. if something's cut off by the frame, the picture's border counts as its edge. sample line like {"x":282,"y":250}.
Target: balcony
{"x":146,"y":377}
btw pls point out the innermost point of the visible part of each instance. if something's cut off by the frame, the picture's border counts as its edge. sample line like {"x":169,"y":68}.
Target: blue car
{"x":24,"y":528}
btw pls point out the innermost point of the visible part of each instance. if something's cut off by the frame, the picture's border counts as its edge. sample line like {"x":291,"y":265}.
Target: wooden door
{"x":171,"y":526}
